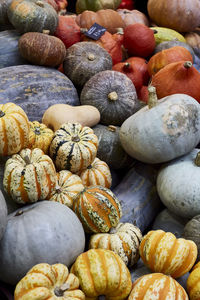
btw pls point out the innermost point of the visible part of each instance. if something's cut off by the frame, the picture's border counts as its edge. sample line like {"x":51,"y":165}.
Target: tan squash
{"x":58,"y":114}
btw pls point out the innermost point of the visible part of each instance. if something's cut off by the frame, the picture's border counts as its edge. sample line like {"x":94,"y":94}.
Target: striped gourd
{"x":193,"y":283}
{"x":67,"y":188}
{"x":73,"y":147}
{"x":14,"y":129}
{"x":98,"y":209}
{"x":123,"y":240}
{"x":102,"y":272}
{"x":29,"y":176}
{"x":40,"y":136}
{"x":157,"y":286}
{"x":98,"y":173}
{"x":61,"y":284}
{"x":162,"y":252}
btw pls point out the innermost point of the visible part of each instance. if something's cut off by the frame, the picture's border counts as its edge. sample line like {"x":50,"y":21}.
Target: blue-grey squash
{"x":3,"y":214}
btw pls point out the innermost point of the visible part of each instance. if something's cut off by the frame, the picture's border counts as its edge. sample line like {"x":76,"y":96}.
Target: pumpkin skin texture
{"x":29,"y":176}
{"x":193,"y":283}
{"x":95,"y":5}
{"x":62,"y":284}
{"x":123,"y":240}
{"x":182,"y":196}
{"x":162,"y":252}
{"x":98,"y":209}
{"x":105,"y":91}
{"x":3,"y":11}
{"x":32,"y":15}
{"x":163,"y":286}
{"x":102,"y":272}
{"x":14,"y":129}
{"x":175,"y":133}
{"x":33,"y":47}
{"x":35,"y":88}
{"x":3,"y":215}
{"x":133,"y":16}
{"x":45,"y":224}
{"x":191,"y":232}
{"x":83,"y":60}
{"x":73,"y":147}
{"x":163,"y":34}
{"x":67,"y":188}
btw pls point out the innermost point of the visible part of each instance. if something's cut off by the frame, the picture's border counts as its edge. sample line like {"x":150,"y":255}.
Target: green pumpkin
{"x":95,"y":5}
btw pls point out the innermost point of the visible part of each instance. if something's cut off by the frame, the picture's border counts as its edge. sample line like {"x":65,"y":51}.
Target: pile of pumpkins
{"x":99,"y":157}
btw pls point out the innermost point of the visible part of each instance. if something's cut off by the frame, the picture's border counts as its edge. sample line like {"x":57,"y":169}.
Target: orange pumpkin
{"x":133,"y":16}
{"x":143,"y":94}
{"x":193,"y":283}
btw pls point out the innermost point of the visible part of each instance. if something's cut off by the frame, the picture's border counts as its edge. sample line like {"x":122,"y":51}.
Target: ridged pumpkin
{"x":73,"y":147}
{"x":102,"y":272}
{"x":95,"y":5}
{"x":193,"y":283}
{"x":98,"y":173}
{"x":40,"y":136}
{"x":123,"y":240}
{"x":29,"y":176}
{"x":98,"y":209}
{"x":162,"y":252}
{"x":48,"y":281}
{"x":14,"y":129}
{"x":157,"y":285}
{"x":193,"y":38}
{"x":67,"y":188}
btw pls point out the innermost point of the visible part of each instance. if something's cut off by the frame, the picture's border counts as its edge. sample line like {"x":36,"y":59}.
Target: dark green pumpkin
{"x":35,"y":88}
{"x":95,"y":5}
{"x":4,"y":4}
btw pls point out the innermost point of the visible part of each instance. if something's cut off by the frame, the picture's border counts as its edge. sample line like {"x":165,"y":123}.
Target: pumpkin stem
{"x":27,"y":160}
{"x":113,"y":96}
{"x":126,"y":66}
{"x":155,"y":31}
{"x":197,"y":159}
{"x":2,"y":114}
{"x":37,"y":131}
{"x":58,"y":189}
{"x":83,"y":30}
{"x":19,"y":213}
{"x":112,"y":128}
{"x":75,"y":138}
{"x":39,"y":3}
{"x":91,"y":56}
{"x":153,"y":100}
{"x":120,"y":30}
{"x":59,"y":291}
{"x":187,"y":64}
{"x":46,"y":31}
{"x":89,"y":167}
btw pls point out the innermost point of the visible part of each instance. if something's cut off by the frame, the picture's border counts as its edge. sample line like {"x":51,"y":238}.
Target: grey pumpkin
{"x":3,"y":214}
{"x":191,"y":232}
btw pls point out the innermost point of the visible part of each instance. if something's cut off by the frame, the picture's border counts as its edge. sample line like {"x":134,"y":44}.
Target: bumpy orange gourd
{"x":193,"y":283}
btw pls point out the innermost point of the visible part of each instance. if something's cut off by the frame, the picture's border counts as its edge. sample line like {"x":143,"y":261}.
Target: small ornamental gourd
{"x":48,"y":281}
{"x":98,"y":209}
{"x":29,"y":176}
{"x":162,"y":252}
{"x":14,"y":129}
{"x":102,"y":272}
{"x":73,"y":147}
{"x":67,"y":188}
{"x":123,"y":240}
{"x":193,"y":283}
{"x":98,"y":173}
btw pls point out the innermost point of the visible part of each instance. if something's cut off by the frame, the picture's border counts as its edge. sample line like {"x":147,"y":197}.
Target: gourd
{"x":29,"y":176}
{"x":175,"y":131}
{"x":163,"y":34}
{"x":3,"y":215}
{"x":32,"y":236}
{"x":102,"y":272}
{"x":62,"y":283}
{"x":95,"y":5}
{"x":105,"y":91}
{"x":133,"y":16}
{"x":191,"y":232}
{"x":3,"y":12}
{"x":73,"y":147}
{"x":35,"y":88}
{"x":98,"y":209}
{"x":162,"y":252}
{"x":193,"y":282}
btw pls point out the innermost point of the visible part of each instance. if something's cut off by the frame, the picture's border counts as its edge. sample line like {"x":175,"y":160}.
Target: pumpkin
{"x":61,"y":283}
{"x":3,"y":11}
{"x":123,"y":240}
{"x":98,"y":173}
{"x":105,"y":91}
{"x":62,"y":4}
{"x":193,"y":38}
{"x":193,"y":283}
{"x":83,"y":60}
{"x":95,"y":5}
{"x":163,"y":34}
{"x":102,"y":272}
{"x":181,"y":196}
{"x":133,"y":16}
{"x":110,"y":149}
{"x":32,"y":15}
{"x":14,"y":129}
{"x":191,"y":232}
{"x":174,"y":133}
{"x":3,"y":215}
{"x":98,"y":209}
{"x":67,"y":188}
{"x":53,"y":4}
{"x":32,"y":236}
{"x":40,"y":136}
{"x":35,"y":88}
{"x":143,"y":94}
{"x":163,"y":286}
{"x":29,"y":176}
{"x":73,"y":147}
{"x":127,"y":4}
{"x":33,"y":47}
{"x":107,"y":18}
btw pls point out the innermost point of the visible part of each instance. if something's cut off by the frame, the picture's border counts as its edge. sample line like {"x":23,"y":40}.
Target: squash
{"x":162,"y":252}
{"x":102,"y":272}
{"x":175,"y":132}
{"x":73,"y":147}
{"x":191,"y":232}
{"x":163,"y":34}
{"x":3,"y":12}
{"x":32,"y":236}
{"x":98,"y":209}
{"x":83,"y":60}
{"x":32,"y":15}
{"x":193,"y":283}
{"x":133,"y":16}
{"x":95,"y":5}
{"x":123,"y":240}
{"x":35,"y":88}
{"x":3,"y":215}
{"x":62,"y":284}
{"x":193,"y":38}
{"x":29,"y":176}
{"x":105,"y":91}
